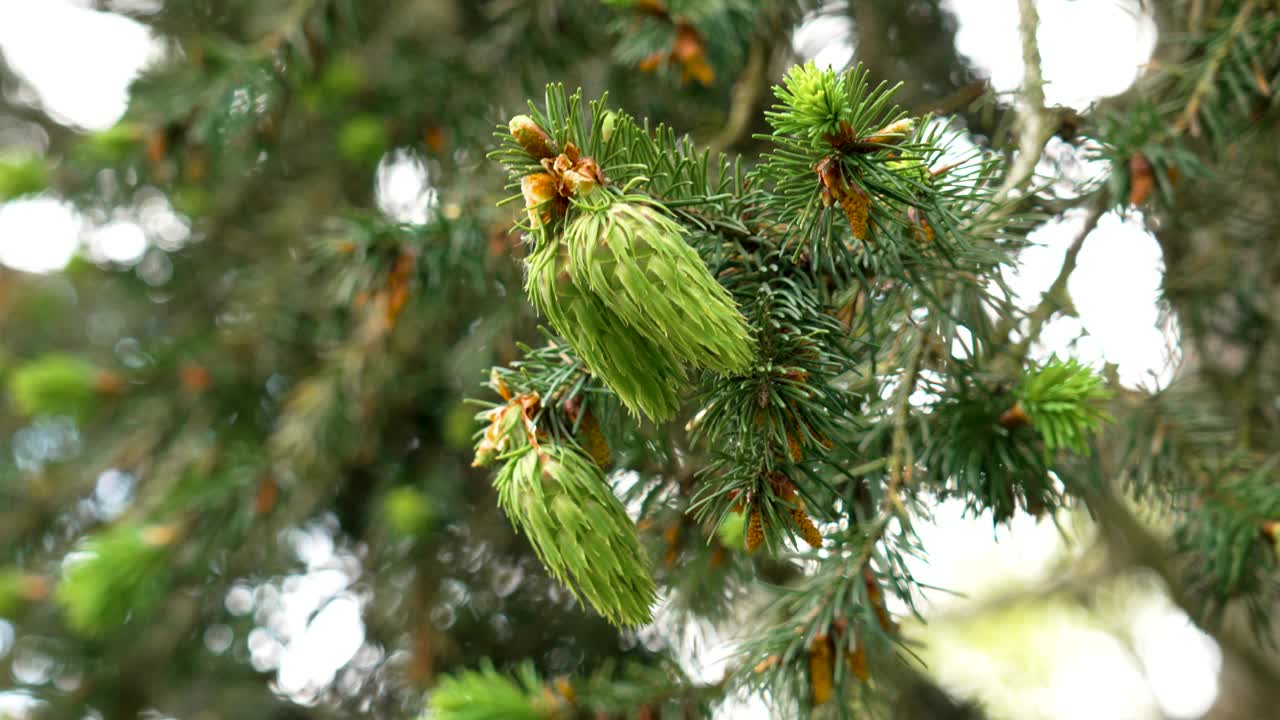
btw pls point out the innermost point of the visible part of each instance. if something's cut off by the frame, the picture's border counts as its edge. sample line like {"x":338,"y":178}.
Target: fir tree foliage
{"x":639,"y":262}
{"x":1193,"y":126}
{"x":119,"y":579}
{"x":989,"y":464}
{"x":812,"y":337}
{"x":485,"y":694}
{"x":609,"y":690}
{"x":692,"y":42}
{"x":559,"y":498}
{"x":1223,"y":535}
{"x":1225,"y":82}
{"x":1063,"y":402}
{"x":52,"y":385}
{"x":760,"y":371}
{"x":830,"y":636}
{"x":633,"y":282}
{"x":815,"y":103}
{"x":20,"y":177}
{"x":842,"y":146}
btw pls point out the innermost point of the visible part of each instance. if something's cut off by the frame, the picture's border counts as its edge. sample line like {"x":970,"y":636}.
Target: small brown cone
{"x":565,"y":688}
{"x":398,"y":286}
{"x":671,"y":536}
{"x":920,"y":225}
{"x":784,"y":488}
{"x":876,"y":598}
{"x":268,"y":492}
{"x":195,"y":378}
{"x":651,"y":62}
{"x":547,"y":704}
{"x":767,"y":664}
{"x":593,"y":441}
{"x":808,"y":530}
{"x":34,"y":588}
{"x":793,"y":447}
{"x":1271,"y":531}
{"x":690,"y":50}
{"x":1142,"y":179}
{"x":700,"y":70}
{"x":853,"y":201}
{"x":651,"y":7}
{"x":157,"y":147}
{"x":856,"y":659}
{"x":1013,"y":418}
{"x":755,"y":530}
{"x":161,"y":535}
{"x":106,"y":382}
{"x":433,"y":137}
{"x":821,"y":669}
{"x":856,"y":208}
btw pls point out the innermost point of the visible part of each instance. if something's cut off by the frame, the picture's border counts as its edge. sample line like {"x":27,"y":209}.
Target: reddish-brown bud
{"x":532,"y":138}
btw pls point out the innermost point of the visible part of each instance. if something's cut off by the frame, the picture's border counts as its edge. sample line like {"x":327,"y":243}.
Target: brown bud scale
{"x":1142,"y":181}
{"x":1014,"y":418}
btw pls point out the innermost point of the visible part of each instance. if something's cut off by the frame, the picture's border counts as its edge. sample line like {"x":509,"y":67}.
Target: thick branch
{"x":901,"y":459}
{"x":912,"y":42}
{"x":59,"y":136}
{"x":1056,"y":297}
{"x":1205,"y":85}
{"x":1036,"y":122}
{"x":746,"y":95}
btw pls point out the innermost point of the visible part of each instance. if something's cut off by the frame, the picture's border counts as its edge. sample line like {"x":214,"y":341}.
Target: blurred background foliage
{"x":235,"y":465}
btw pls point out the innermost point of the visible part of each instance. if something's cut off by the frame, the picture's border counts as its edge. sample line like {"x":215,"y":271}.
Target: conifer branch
{"x":828,"y":315}
{"x":1194,"y":14}
{"x":901,"y":457}
{"x":1036,"y":122}
{"x":900,"y":462}
{"x":1139,"y":546}
{"x":1206,"y":84}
